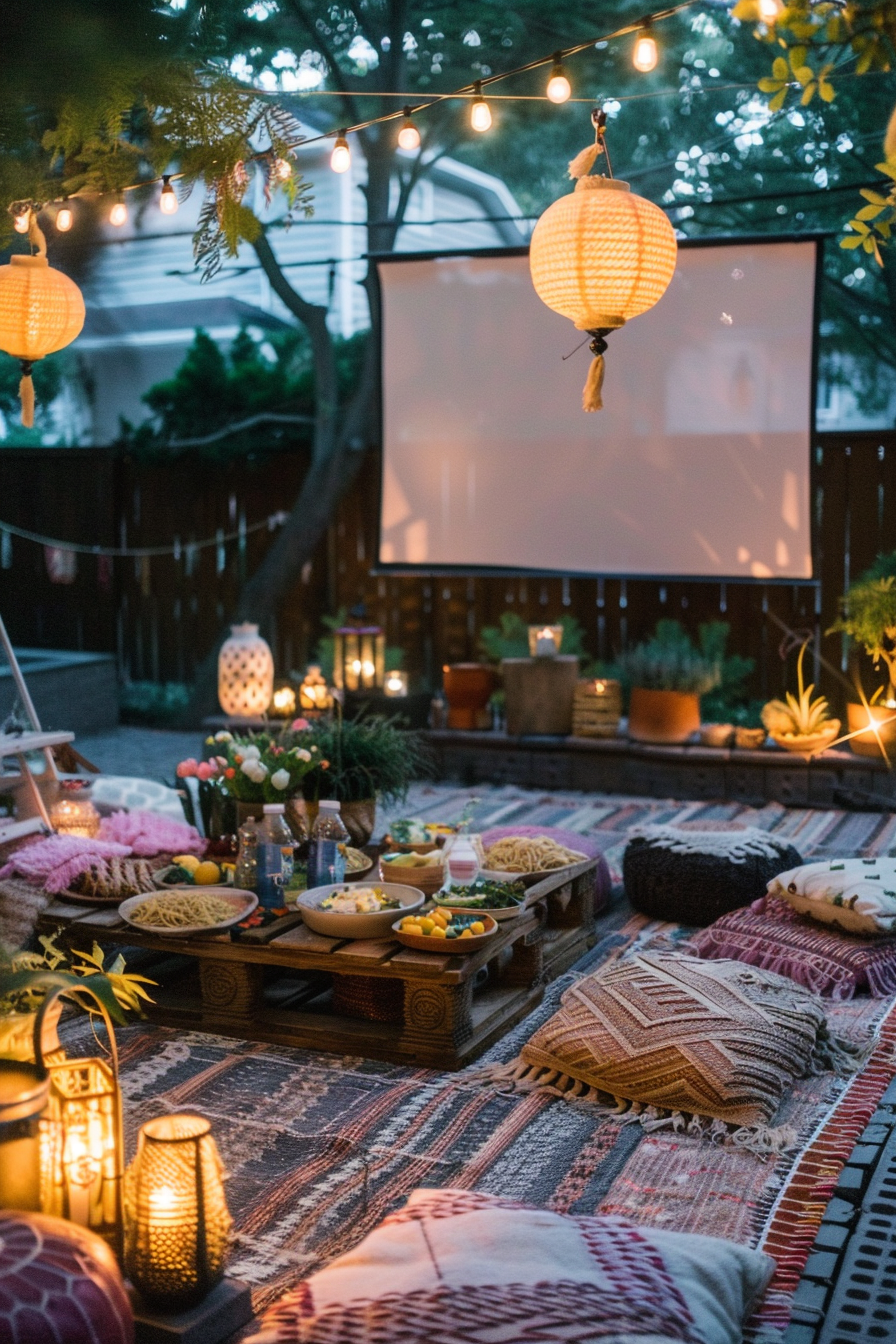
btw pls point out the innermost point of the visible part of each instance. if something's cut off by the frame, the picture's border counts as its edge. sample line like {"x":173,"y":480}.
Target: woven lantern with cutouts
{"x":600,"y":256}
{"x":41,"y":311}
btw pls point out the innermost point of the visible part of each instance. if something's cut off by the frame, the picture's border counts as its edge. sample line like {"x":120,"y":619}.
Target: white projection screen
{"x":697,"y":466}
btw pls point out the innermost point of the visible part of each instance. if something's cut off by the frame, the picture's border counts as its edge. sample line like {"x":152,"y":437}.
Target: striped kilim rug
{"x":321,"y":1147}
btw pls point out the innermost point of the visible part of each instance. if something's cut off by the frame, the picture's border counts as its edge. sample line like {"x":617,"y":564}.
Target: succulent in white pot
{"x":800,"y":722}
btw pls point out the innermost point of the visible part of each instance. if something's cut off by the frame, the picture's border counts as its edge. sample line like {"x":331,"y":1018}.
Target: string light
{"x":480,"y":113}
{"x":559,"y":87}
{"x":770,"y":11}
{"x":118,"y":215}
{"x":168,"y":198}
{"x":645,"y":54}
{"x":341,"y":158}
{"x":408,"y":136}
{"x":22,"y":221}
{"x":64,"y":219}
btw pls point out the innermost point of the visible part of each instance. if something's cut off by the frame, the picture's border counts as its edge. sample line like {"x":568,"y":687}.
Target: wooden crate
{"x":277,"y":983}
{"x":596,"y":708}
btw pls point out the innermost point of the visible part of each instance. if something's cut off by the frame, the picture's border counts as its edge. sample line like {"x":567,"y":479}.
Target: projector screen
{"x":697,"y":466}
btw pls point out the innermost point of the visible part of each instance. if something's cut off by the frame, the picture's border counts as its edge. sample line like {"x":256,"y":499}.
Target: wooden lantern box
{"x":538,"y":695}
{"x":596,"y":708}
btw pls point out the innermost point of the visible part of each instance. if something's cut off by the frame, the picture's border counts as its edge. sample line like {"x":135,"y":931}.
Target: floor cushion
{"x":858,"y":895}
{"x":772,"y":934}
{"x":458,"y":1267}
{"x":708,"y":1038}
{"x":693,"y":876}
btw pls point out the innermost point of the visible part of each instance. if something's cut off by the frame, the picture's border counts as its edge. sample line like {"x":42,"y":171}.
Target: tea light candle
{"x":75,"y":816}
{"x":396,"y":684}
{"x":545,"y":640}
{"x":284,"y":702}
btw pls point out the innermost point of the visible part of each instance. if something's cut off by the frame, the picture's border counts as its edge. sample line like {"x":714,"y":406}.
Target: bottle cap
{"x":329,"y":805}
{"x":275,"y":807}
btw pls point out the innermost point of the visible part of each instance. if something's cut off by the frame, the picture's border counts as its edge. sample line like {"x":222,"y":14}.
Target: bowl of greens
{"x":502,"y":900}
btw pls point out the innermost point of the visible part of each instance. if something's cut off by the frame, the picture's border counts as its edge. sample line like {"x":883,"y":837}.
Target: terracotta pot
{"x":662,"y":716}
{"x":468,"y":687}
{"x":866,"y":744}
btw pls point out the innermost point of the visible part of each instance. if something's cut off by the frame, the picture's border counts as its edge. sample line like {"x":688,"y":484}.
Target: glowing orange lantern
{"x":41,"y":311}
{"x":600,"y":256}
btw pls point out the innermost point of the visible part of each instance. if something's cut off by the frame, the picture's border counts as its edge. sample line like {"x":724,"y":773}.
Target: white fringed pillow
{"x":857,"y":895}
{"x":455,"y":1266}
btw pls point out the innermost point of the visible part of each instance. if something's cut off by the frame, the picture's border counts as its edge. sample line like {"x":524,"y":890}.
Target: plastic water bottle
{"x":274,"y":857}
{"x":326,"y":852}
{"x":245,"y":876}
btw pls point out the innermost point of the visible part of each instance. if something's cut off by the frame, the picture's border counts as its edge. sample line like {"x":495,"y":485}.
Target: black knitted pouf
{"x":693,"y":877}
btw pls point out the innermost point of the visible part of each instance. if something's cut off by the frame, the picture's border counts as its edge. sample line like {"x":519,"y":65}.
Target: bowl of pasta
{"x":526,"y":858}
{"x":182,"y":911}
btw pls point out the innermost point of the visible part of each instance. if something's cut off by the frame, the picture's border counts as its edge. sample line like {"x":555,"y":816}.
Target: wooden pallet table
{"x":287,"y":985}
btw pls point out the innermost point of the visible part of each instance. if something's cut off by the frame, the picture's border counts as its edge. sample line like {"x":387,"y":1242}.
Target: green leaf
{"x":780,"y":68}
{"x":873,"y":196}
{"x":808,"y":94}
{"x":804,"y":74}
{"x":888,"y":168}
{"x":797,"y":59}
{"x":859,"y":226}
{"x":768,"y":85}
{"x":827,"y":91}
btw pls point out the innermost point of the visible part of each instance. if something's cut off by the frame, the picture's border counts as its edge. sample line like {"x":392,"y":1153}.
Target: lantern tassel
{"x":583,"y":162}
{"x":26,"y":395}
{"x":591,"y":395}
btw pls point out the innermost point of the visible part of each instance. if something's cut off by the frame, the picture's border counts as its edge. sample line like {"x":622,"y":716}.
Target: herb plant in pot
{"x":800,"y":722}
{"x":868,"y":616}
{"x":667,"y":676}
{"x":360,"y":760}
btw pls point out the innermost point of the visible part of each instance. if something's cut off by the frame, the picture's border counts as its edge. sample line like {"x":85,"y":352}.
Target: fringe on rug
{"x":838,"y":1054}
{"x":518,"y":1076}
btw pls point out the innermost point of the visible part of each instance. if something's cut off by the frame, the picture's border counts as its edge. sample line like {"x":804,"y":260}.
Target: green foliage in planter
{"x":157,"y":704}
{"x":510,"y":637}
{"x":669,"y":661}
{"x":729,"y":702}
{"x":868,"y":614}
{"x":367,"y":757}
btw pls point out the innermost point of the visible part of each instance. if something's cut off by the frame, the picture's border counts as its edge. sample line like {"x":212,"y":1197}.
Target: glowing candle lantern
{"x":245,"y":673}
{"x":545,"y":640}
{"x":396,"y":684}
{"x":283,"y":703}
{"x":23,"y":1099}
{"x":359,"y":662}
{"x":314,"y":693}
{"x":600,"y":256}
{"x":75,"y":816}
{"x":178,"y":1224}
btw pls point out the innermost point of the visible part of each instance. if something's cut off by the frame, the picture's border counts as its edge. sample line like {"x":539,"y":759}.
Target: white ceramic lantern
{"x":245,"y":673}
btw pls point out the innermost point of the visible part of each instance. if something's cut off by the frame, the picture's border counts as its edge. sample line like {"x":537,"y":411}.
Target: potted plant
{"x":667,"y":676}
{"x":799,"y":722}
{"x":868,"y":616}
{"x":357,"y":761}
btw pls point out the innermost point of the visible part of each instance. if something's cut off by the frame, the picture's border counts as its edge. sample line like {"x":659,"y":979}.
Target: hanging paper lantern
{"x":41,"y":311}
{"x":600,"y":256}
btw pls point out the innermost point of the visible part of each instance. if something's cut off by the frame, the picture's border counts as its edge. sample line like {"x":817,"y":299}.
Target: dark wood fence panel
{"x":161,"y":616}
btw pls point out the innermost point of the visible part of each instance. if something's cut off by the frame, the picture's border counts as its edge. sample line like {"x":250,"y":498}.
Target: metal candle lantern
{"x":396,"y":684}
{"x":82,"y":1157}
{"x":359,"y":658}
{"x":23,"y":1099}
{"x":178,"y":1223}
{"x":545,"y":640}
{"x":314,"y":693}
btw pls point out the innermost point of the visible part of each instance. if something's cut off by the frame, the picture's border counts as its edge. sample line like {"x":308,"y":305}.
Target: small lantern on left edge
{"x":41,"y":311}
{"x":359,"y":661}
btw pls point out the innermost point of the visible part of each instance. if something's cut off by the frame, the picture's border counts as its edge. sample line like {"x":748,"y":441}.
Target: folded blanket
{"x":147,"y":833}
{"x":59,"y":859}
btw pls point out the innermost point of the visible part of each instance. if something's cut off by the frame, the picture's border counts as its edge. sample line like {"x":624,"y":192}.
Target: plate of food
{"x":183,"y":911}
{"x":185,"y":870}
{"x":342,"y":911}
{"x":418,"y":837}
{"x":357,"y":862}
{"x":446,"y":930}
{"x":527,"y":857}
{"x":502,"y":900}
{"x":111,"y":881}
{"x":426,"y":871}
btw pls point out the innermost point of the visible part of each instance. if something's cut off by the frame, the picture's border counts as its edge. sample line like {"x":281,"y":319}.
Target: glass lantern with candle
{"x":178,"y":1224}
{"x":359,"y":662}
{"x":545,"y":640}
{"x":283,"y":702}
{"x":75,"y":815}
{"x":396,"y":684}
{"x":314,"y":693}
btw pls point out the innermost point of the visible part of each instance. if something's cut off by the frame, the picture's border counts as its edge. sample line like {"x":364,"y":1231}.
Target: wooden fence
{"x":160,"y":616}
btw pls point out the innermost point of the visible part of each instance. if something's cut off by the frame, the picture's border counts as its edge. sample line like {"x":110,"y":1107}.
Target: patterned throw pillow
{"x":710,"y":1038}
{"x":771,"y":934}
{"x":694,"y":876}
{"x":454,"y":1267}
{"x":858,"y":895}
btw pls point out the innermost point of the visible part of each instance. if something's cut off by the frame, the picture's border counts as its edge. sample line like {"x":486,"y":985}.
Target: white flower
{"x":223,"y":736}
{"x":251,"y":752}
{"x":280,"y":779}
{"x":254,"y":770}
{"x":303,"y":755}
{"x":261,"y":772}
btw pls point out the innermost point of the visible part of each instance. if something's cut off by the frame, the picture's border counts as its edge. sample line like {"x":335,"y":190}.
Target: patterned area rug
{"x":321,"y":1147}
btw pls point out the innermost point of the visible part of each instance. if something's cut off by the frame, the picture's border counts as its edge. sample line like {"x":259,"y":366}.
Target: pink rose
{"x":206,"y":770}
{"x":299,"y":725}
{"x":187,"y":768}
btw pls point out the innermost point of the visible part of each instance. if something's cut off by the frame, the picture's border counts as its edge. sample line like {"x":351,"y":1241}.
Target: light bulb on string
{"x":408,"y":136}
{"x":770,"y":11}
{"x":118,"y":215}
{"x":480,"y":112}
{"x":22,"y":221}
{"x":559,"y":87}
{"x":64,"y":218}
{"x":168,"y":198}
{"x":645,"y":54}
{"x":341,"y":158}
